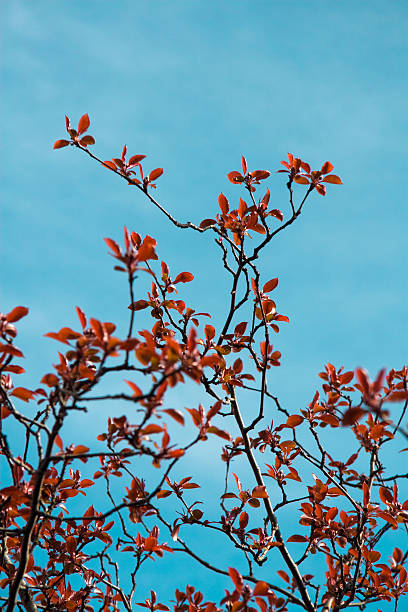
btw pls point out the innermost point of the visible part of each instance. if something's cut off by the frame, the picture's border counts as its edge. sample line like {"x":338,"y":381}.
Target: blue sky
{"x":193,"y":85}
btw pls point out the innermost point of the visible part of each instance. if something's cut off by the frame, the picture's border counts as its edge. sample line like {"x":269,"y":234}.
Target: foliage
{"x":59,"y":552}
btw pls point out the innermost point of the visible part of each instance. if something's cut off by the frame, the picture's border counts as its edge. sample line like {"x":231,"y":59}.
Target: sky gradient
{"x":194,"y":85}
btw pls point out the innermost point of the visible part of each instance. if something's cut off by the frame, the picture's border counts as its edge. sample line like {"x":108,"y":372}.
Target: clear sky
{"x":193,"y":85}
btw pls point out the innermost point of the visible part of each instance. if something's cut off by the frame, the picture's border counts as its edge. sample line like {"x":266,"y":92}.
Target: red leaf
{"x":352,"y":415}
{"x":50,"y":380}
{"x":146,"y":249}
{"x":243,"y":520}
{"x":96,"y":328}
{"x":235,"y":577}
{"x":261,"y":588}
{"x":83,"y":124}
{"x":277,"y":214}
{"x":135,"y":159}
{"x":235,"y":177}
{"x":244,"y":165}
{"x":297,"y":538}
{"x":80,"y":449}
{"x":16,"y":314}
{"x":242,"y":208}
{"x":110,"y":165}
{"x":260,"y":175}
{"x":155,"y":174}
{"x":22,"y":393}
{"x":175,"y":414}
{"x":223,"y":204}
{"x":294,"y":420}
{"x":139,"y":305}
{"x":209,"y":332}
{"x":163,"y":493}
{"x":332,"y":178}
{"x":259,"y":492}
{"x":113,"y":246}
{"x":207,"y":223}
{"x":87,"y":140}
{"x":134,"y":387}
{"x":16,"y":369}
{"x":284,"y":576}
{"x":270,"y":285}
{"x":237,"y":480}
{"x":397,"y":396}
{"x":385,"y":495}
{"x":321,"y":189}
{"x":86,"y":483}
{"x":183,"y":277}
{"x":58,"y":144}
{"x":301,"y":180}
{"x":327,"y":167}
{"x":81,"y":317}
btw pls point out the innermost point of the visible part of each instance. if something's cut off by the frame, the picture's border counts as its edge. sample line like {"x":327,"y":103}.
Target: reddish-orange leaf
{"x":297,"y":538}
{"x":352,"y":415}
{"x":283,"y":575}
{"x":219,"y":432}
{"x":58,"y":144}
{"x":260,"y":175}
{"x":80,"y":449}
{"x":175,"y":414}
{"x":259,"y":492}
{"x":243,"y":520}
{"x":96,"y":328}
{"x":155,"y":174}
{"x":327,"y":167}
{"x":81,"y":317}
{"x":183,"y":277}
{"x":223,"y":204}
{"x":209,"y":332}
{"x":277,"y":214}
{"x":302,"y":180}
{"x":235,"y":177}
{"x":16,"y":314}
{"x":261,"y":588}
{"x":135,"y":388}
{"x":244,"y":165}
{"x":385,"y":495}
{"x":235,"y":577}
{"x":270,"y":285}
{"x":135,"y":159}
{"x":397,"y":396}
{"x":113,"y":246}
{"x":83,"y":124}
{"x":16,"y":369}
{"x":139,"y":305}
{"x":146,"y":250}
{"x":346,"y":378}
{"x":58,"y":442}
{"x":50,"y":380}
{"x":207,"y":223}
{"x":320,"y":189}
{"x":87,"y":140}
{"x":110,"y":165}
{"x":294,"y":420}
{"x":330,"y":514}
{"x":388,"y":517}
{"x":332,"y":178}
{"x":152,"y":428}
{"x":242,"y":208}
{"x":22,"y":393}
{"x":163,"y":493}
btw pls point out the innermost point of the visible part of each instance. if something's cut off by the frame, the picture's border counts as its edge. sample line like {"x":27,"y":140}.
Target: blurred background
{"x":195,"y":85}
